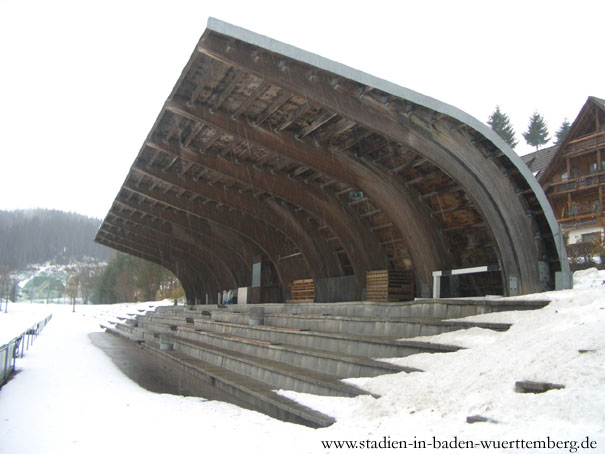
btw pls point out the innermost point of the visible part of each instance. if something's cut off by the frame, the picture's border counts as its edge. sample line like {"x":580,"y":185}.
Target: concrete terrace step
{"x":395,"y":327}
{"x":130,"y":332}
{"x":337,"y":364}
{"x":255,"y":394}
{"x":341,"y":343}
{"x":435,"y":308}
{"x":389,"y":327}
{"x":274,"y":373}
{"x":305,"y":347}
{"x":170,"y":319}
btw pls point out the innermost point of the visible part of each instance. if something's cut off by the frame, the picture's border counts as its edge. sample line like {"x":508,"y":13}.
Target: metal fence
{"x":16,"y":347}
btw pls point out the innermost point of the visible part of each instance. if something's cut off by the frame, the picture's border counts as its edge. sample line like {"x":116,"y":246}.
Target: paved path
{"x":153,"y":374}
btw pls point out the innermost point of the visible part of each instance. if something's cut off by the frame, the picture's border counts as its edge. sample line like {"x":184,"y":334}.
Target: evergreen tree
{"x":537,"y":131}
{"x":501,"y":125}
{"x":563,"y":130}
{"x":128,"y":278}
{"x":36,"y":236}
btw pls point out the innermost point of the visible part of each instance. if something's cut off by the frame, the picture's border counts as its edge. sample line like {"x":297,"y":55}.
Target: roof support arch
{"x":228,"y":265}
{"x":361,"y":245}
{"x":320,"y":255}
{"x":268,"y":240}
{"x":482,"y":181}
{"x":397,"y":178}
{"x":413,"y":219}
{"x":220,"y":278}
{"x":153,"y":225}
{"x":182,"y":225}
{"x":194,"y":281}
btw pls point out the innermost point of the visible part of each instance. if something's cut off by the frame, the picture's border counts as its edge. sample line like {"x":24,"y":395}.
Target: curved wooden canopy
{"x":264,"y":149}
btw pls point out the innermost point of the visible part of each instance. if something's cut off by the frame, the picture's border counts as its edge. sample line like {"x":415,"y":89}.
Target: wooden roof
{"x":538,"y":161}
{"x":590,"y":119}
{"x":264,"y":149}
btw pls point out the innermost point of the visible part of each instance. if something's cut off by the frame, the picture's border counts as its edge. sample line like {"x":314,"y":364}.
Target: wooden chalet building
{"x":572,"y":175}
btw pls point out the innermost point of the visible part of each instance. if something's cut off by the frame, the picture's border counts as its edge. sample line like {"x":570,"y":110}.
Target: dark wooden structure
{"x":574,"y":179}
{"x":263,"y":149}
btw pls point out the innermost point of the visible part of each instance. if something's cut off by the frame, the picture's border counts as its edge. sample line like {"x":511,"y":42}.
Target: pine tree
{"x":537,"y":131}
{"x":563,"y":130}
{"x":501,"y":125}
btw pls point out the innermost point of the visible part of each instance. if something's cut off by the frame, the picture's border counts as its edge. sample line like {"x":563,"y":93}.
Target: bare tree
{"x":5,"y":283}
{"x":73,"y":284}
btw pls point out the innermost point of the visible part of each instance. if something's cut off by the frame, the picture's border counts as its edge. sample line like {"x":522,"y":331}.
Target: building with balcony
{"x":572,"y":175}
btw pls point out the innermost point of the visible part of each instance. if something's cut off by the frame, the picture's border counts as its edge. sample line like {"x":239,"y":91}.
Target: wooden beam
{"x":370,"y":213}
{"x":194,"y":132}
{"x":132,"y":246}
{"x":194,"y":226}
{"x":412,"y":219}
{"x":270,"y":241}
{"x":222,"y":97}
{"x":447,"y":149}
{"x":429,"y":176}
{"x":316,"y":124}
{"x":272,"y":108}
{"x":212,"y":251}
{"x":356,"y":237}
{"x":354,"y":140}
{"x":341,"y":126}
{"x":382,"y":226}
{"x":294,"y":115}
{"x":292,"y":225}
{"x":250,"y":99}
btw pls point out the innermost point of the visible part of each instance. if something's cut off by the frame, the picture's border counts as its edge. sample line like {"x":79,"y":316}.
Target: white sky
{"x":81,"y":82}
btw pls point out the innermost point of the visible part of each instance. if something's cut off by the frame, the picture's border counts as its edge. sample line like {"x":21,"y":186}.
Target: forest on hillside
{"x":40,"y":235}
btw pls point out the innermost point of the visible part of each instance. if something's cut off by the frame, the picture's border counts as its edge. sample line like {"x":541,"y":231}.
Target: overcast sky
{"x":81,"y":82}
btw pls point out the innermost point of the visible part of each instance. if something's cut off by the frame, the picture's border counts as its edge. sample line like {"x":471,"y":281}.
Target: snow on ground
{"x":70,"y":398}
{"x":17,"y":318}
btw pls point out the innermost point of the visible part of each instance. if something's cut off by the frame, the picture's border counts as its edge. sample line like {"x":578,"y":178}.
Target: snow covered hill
{"x":70,"y":398}
{"x":47,"y":282}
{"x":39,"y":235}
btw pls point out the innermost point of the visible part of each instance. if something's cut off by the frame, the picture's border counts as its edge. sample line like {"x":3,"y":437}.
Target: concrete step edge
{"x":255,"y":388}
{"x":428,"y":347}
{"x":316,"y":378}
{"x":309,"y":351}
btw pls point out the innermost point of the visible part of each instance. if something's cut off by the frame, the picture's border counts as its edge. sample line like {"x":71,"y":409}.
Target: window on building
{"x":565,"y":176}
{"x":574,"y":209}
{"x":593,"y":167}
{"x":595,"y":206}
{"x":574,"y":172}
{"x":593,"y":237}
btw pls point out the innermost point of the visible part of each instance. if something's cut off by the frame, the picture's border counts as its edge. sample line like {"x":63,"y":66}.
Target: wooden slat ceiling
{"x":275,"y":157}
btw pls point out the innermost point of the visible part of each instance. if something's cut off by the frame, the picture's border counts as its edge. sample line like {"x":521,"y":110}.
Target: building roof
{"x":581,"y":126}
{"x":265,"y":149}
{"x":539,"y":160}
{"x":598,"y":101}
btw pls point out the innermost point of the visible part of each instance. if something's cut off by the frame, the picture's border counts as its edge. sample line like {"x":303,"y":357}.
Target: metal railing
{"x":16,"y":347}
